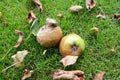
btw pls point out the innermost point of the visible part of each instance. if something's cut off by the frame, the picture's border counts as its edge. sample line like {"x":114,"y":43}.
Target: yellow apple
{"x":71,"y":44}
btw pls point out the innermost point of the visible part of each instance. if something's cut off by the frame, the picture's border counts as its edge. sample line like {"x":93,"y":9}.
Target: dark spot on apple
{"x":74,"y":47}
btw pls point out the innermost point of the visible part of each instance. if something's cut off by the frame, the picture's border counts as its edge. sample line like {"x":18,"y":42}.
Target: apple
{"x":50,"y":34}
{"x":72,"y":45}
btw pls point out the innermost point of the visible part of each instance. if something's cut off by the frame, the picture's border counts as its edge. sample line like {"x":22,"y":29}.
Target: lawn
{"x":97,"y":56}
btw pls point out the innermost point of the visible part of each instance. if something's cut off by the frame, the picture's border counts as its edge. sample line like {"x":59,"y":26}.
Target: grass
{"x":97,"y":55}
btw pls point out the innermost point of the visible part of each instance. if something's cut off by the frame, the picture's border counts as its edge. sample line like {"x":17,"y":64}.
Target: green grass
{"x":97,"y":55}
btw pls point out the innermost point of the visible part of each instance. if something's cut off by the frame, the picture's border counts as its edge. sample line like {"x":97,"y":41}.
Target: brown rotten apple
{"x":72,"y":45}
{"x":50,"y":34}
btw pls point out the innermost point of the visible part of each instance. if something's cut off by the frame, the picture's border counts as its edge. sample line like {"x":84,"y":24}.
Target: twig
{"x":10,"y":66}
{"x":6,"y":54}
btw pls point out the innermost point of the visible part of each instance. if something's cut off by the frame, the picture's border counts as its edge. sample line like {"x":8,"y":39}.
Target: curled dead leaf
{"x":75,"y":8}
{"x":113,"y":50}
{"x":69,"y":75}
{"x":69,"y":60}
{"x":39,"y":5}
{"x":99,"y":76}
{"x":95,"y":29}
{"x":117,"y":16}
{"x":60,"y":15}
{"x":20,"y":39}
{"x":101,"y":16}
{"x":19,"y":58}
{"x":27,"y":74}
{"x":90,"y":4}
{"x":31,"y":16}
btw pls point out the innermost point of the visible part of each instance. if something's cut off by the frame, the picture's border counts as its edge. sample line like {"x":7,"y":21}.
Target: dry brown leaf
{"x":39,"y":5}
{"x":60,"y":15}
{"x":117,"y":16}
{"x":90,"y":4}
{"x":95,"y":29}
{"x":113,"y":50}
{"x":69,"y":75}
{"x":27,"y":74}
{"x":99,"y":76}
{"x":75,"y":8}
{"x":101,"y":16}
{"x":19,"y":58}
{"x":69,"y":60}
{"x":31,"y":16}
{"x":20,"y":39}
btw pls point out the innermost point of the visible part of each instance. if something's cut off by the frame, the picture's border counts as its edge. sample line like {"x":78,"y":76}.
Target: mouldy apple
{"x":50,"y":34}
{"x":72,"y":45}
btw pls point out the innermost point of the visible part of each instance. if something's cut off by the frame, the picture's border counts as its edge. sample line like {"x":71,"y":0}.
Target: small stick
{"x":6,"y":54}
{"x":10,"y":66}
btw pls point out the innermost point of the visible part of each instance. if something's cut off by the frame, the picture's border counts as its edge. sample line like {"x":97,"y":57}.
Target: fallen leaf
{"x":39,"y":5}
{"x":60,"y":15}
{"x":75,"y":8}
{"x":90,"y":4}
{"x":99,"y":76}
{"x":27,"y":74}
{"x":69,"y":75}
{"x":20,"y":39}
{"x":95,"y":29}
{"x":69,"y":60}
{"x":113,"y":50}
{"x":117,"y":16}
{"x":31,"y":16}
{"x":101,"y":16}
{"x":19,"y":58}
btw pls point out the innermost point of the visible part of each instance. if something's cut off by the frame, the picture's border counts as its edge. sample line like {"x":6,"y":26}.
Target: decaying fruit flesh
{"x":50,"y":34}
{"x":71,"y":44}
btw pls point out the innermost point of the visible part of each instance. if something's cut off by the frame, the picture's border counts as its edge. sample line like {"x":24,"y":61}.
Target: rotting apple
{"x":72,"y":45}
{"x":50,"y":34}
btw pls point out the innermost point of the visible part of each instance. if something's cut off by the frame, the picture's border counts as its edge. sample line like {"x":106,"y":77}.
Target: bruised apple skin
{"x":50,"y":34}
{"x":72,"y":45}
